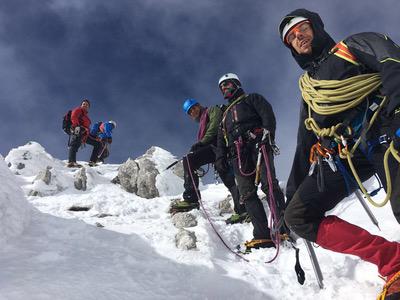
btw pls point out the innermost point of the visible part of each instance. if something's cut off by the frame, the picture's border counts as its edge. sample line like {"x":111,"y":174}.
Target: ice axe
{"x":173,"y":164}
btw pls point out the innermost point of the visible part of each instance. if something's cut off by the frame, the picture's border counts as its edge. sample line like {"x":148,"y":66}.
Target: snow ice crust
{"x":49,"y":252}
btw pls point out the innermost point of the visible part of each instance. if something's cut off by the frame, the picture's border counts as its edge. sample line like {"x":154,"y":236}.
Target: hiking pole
{"x":367,"y":209}
{"x":315,"y":264}
{"x":173,"y":164}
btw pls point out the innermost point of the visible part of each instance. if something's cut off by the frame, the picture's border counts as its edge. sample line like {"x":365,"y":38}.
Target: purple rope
{"x":238,"y":144}
{"x":271,"y":201}
{"x":207,"y":216}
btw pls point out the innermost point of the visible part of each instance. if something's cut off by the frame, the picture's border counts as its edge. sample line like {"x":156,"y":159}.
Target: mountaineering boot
{"x":236,"y":218}
{"x":255,"y":244}
{"x":183,"y":206}
{"x":92,"y":164}
{"x":391,"y":290}
{"x":73,"y":165}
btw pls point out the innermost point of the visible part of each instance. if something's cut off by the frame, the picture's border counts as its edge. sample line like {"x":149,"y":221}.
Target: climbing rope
{"x":328,"y":97}
{"x":238,"y":146}
{"x":274,"y":222}
{"x":207,"y":216}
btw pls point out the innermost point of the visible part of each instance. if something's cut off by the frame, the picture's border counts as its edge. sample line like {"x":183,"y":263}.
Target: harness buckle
{"x":384,"y":139}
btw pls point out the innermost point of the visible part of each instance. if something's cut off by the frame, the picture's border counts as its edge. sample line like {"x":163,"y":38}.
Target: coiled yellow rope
{"x":328,"y":97}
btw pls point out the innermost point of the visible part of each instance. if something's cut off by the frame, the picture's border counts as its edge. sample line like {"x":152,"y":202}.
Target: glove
{"x":77,"y":130}
{"x":221,"y":165}
{"x":266,"y":140}
{"x":195,"y":147}
{"x":109,"y":140}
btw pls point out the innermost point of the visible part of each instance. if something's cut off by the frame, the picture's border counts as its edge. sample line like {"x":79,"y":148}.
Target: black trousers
{"x":308,"y":206}
{"x":206,"y":155}
{"x":76,"y":142}
{"x":248,"y":189}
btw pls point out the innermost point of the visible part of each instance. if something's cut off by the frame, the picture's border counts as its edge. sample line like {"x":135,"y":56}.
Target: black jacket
{"x":372,"y":52}
{"x":253,"y":111}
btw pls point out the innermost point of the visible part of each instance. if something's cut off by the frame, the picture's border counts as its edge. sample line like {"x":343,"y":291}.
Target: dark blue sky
{"x":137,"y":60}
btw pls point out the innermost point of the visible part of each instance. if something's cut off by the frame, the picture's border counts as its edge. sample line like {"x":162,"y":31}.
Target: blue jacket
{"x":102,"y":130}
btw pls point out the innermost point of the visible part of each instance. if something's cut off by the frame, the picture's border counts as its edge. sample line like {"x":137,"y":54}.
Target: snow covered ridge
{"x":15,"y":211}
{"x":121,"y":242}
{"x":144,"y":176}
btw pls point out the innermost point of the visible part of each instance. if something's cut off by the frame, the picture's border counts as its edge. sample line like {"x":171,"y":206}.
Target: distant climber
{"x":79,"y":133}
{"x":102,"y":131}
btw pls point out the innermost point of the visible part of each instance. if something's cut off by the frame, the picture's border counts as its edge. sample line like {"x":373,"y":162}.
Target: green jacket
{"x":214,"y":119}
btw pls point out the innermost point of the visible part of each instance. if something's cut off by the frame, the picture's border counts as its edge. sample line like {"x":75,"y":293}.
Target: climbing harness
{"x":328,"y":97}
{"x":225,"y":132}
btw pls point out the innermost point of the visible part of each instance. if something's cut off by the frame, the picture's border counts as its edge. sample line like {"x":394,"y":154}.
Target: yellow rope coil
{"x":328,"y":97}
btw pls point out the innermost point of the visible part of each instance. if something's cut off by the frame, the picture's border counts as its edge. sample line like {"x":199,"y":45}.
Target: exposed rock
{"x":178,"y":169}
{"x":185,"y":240}
{"x":103,"y":215}
{"x":139,"y":176}
{"x":27,"y":155}
{"x":20,"y":166}
{"x":44,"y":175}
{"x":116,"y":180}
{"x":225,"y":206}
{"x":184,"y":219}
{"x":34,"y":193}
{"x":146,"y":175}
{"x":146,"y":181}
{"x":80,"y":181}
{"x":79,"y":208}
{"x":127,"y":174}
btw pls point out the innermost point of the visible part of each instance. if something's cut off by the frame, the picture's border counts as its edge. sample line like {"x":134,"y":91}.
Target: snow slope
{"x":63,"y":255}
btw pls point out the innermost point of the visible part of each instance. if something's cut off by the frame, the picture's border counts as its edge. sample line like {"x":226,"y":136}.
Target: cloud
{"x":138,"y":60}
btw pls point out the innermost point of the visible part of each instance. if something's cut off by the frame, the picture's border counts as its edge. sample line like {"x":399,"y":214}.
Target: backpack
{"x":95,"y":128}
{"x":66,"y":125}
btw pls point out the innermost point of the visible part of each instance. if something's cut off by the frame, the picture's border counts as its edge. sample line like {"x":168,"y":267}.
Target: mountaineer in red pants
{"x":350,"y":117}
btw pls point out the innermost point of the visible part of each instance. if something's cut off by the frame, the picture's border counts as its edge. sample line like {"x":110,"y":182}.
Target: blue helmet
{"x":188,"y":104}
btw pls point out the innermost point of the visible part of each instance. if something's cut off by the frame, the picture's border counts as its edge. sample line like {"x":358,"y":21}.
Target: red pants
{"x":340,"y":236}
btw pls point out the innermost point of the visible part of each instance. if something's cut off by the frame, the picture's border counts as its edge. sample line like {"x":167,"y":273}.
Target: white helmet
{"x":228,"y":76}
{"x":113,"y":123}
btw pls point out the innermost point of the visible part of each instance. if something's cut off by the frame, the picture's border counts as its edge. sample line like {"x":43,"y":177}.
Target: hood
{"x":321,"y":43}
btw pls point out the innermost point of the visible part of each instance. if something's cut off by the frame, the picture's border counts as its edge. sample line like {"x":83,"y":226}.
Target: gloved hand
{"x":221,"y":165}
{"x":196,"y":146}
{"x":77,"y":130}
{"x":109,"y":140}
{"x":265,"y":140}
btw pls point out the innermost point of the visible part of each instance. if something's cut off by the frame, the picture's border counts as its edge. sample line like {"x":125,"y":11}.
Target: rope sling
{"x":328,"y":97}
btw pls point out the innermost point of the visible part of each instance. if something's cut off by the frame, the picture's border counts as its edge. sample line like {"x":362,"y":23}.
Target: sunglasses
{"x":299,"y":28}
